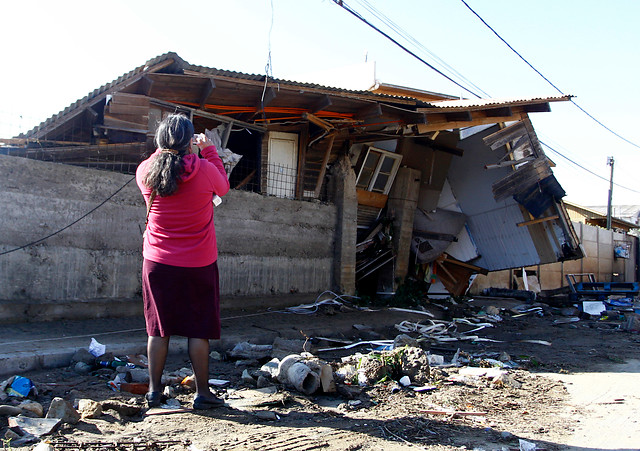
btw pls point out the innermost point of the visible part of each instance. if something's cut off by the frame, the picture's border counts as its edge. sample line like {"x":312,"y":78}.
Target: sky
{"x":55,"y":53}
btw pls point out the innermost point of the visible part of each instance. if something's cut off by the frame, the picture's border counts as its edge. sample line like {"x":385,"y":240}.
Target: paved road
{"x":608,"y":402}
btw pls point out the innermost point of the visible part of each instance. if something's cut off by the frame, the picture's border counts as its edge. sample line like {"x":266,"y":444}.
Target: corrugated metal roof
{"x":484,"y":103}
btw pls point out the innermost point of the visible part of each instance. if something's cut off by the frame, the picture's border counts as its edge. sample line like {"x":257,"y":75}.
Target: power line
{"x":546,"y":79}
{"x":585,"y":169}
{"x":409,"y":38}
{"x":69,"y":225}
{"x":347,"y":8}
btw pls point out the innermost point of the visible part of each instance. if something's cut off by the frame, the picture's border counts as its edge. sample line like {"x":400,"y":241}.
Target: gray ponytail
{"x":173,"y":137}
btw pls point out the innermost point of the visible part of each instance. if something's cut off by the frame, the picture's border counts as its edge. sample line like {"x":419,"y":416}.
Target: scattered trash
{"x":571,"y":319}
{"x":632,"y":322}
{"x":18,"y":386}
{"x":96,"y":349}
{"x":36,"y":427}
{"x":593,"y":307}
{"x":282,"y":347}
{"x":136,"y":388}
{"x":246,"y":350}
{"x":435,"y":359}
{"x":405,"y":381}
{"x":337,"y":300}
{"x":526,"y":446}
{"x":220,"y":383}
{"x":452,"y":412}
{"x":425,"y":388}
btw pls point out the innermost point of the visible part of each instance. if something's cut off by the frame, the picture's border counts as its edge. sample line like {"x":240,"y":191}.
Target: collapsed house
{"x":419,"y":183}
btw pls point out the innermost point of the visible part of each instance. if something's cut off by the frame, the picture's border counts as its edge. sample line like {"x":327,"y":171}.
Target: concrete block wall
{"x":267,"y":245}
{"x":98,"y":257}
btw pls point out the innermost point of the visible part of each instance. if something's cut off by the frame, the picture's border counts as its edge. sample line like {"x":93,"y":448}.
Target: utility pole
{"x":610,"y":163}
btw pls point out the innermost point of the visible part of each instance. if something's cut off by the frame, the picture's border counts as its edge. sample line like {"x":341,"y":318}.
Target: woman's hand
{"x":202,"y":141}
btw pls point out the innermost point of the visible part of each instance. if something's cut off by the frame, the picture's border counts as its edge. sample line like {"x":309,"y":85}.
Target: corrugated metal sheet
{"x":484,"y":103}
{"x":493,"y":226}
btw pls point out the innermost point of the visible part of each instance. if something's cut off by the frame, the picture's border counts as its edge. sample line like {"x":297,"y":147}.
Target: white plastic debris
{"x":96,"y":349}
{"x":527,"y":446}
{"x":405,"y":381}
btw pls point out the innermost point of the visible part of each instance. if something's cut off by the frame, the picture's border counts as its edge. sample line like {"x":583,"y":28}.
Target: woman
{"x":179,"y":271}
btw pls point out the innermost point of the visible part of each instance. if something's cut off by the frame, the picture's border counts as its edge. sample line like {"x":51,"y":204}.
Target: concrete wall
{"x":598,"y":244}
{"x":267,"y":245}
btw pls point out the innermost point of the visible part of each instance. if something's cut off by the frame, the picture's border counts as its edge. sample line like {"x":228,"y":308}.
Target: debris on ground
{"x":457,"y":369}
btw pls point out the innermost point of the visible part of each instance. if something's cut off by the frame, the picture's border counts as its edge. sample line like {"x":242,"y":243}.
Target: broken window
{"x":378,"y":171}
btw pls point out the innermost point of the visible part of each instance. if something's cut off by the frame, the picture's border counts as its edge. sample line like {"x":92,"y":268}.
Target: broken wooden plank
{"x":506,"y":135}
{"x":323,"y":169}
{"x":508,"y":163}
{"x":317,"y":121}
{"x":371,"y":199}
{"x":521,"y":179}
{"x":536,"y":221}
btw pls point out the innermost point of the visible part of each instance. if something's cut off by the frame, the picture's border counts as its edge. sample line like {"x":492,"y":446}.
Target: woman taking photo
{"x":179,"y":272}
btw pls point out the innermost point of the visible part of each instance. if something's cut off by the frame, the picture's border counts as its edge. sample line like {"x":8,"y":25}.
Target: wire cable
{"x":409,"y":38}
{"x":546,"y":79}
{"x":347,"y":8}
{"x":586,"y":169}
{"x":73,"y":223}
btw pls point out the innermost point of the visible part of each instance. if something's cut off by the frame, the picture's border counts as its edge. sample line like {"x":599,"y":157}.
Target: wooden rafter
{"x":323,"y":168}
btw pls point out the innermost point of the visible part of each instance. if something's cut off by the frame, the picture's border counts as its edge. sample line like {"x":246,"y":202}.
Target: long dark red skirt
{"x":181,"y":301}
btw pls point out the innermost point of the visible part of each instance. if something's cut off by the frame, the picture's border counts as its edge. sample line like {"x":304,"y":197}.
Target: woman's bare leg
{"x":199,"y":355}
{"x":157,"y":350}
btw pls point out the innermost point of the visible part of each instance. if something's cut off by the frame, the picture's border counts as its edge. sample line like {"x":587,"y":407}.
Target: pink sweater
{"x":180,"y":231}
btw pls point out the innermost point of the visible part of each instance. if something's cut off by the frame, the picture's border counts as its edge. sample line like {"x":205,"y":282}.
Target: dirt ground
{"x":457,"y":411}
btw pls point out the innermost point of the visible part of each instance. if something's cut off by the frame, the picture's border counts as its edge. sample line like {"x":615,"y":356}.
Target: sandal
{"x":202,"y":402}
{"x":153,"y":398}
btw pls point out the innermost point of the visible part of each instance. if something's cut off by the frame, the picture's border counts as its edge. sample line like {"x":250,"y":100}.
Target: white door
{"x":282,"y":168}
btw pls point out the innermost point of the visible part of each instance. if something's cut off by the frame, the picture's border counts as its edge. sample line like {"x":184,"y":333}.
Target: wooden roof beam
{"x":459,"y":116}
{"x":207,"y":89}
{"x":146,"y":85}
{"x":321,"y":104}
{"x":370,"y":111}
{"x":537,"y":108}
{"x":499,"y":112}
{"x":439,"y":122}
